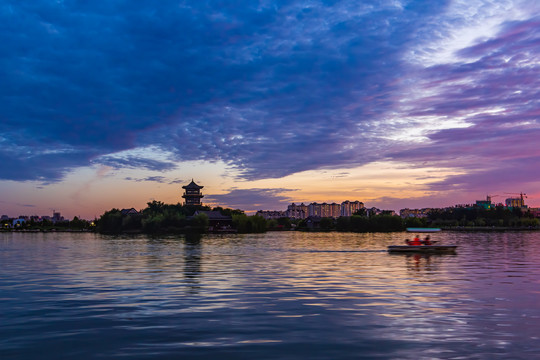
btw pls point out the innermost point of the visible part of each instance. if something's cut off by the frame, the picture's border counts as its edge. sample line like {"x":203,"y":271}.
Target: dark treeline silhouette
{"x":375,"y":223}
{"x":48,"y":225}
{"x":469,"y":217}
{"x":355,"y":223}
{"x":159,"y":217}
{"x":475,"y":216}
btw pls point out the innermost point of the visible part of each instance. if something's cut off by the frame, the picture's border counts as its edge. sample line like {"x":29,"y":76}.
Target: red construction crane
{"x":521,"y":195}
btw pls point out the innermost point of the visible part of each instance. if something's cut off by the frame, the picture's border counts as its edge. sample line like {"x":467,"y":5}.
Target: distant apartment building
{"x":57,"y":217}
{"x":485,"y":204}
{"x":419,"y":213}
{"x":18,"y":222}
{"x":333,"y":210}
{"x":324,"y":210}
{"x":314,"y":210}
{"x":348,"y":208}
{"x":515,"y":202}
{"x":518,"y":202}
{"x":297,"y":211}
{"x":376,"y":211}
{"x":271,"y":214}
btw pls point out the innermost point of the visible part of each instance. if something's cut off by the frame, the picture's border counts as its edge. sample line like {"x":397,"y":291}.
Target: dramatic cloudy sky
{"x":394,"y":103}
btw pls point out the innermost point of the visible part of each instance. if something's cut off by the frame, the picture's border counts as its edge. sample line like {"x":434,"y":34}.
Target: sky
{"x":112,"y":104}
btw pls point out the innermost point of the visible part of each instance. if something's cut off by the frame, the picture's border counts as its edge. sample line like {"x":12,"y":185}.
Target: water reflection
{"x":419,"y":262}
{"x":278,"y":295}
{"x":192,"y":261}
{"x":426,"y":263}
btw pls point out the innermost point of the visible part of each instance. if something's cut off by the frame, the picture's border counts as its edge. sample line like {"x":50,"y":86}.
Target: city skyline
{"x":400,"y":104}
{"x":193,"y":195}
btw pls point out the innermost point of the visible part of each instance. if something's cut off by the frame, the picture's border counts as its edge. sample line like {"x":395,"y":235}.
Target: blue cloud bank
{"x":269,"y":87}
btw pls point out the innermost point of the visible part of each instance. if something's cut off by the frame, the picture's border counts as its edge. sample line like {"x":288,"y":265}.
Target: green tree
{"x":78,"y":224}
{"x":343,"y":223}
{"x":200,"y":222}
{"x":359,"y":223}
{"x":152,"y":224}
{"x":110,"y":222}
{"x":326,"y":224}
{"x":360,"y":212}
{"x":284,"y":223}
{"x":386,"y":223}
{"x":228,"y":212}
{"x":414,"y":222}
{"x":249,"y":224}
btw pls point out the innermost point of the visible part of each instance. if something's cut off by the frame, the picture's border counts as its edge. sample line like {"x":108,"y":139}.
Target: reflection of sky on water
{"x":275,"y":291}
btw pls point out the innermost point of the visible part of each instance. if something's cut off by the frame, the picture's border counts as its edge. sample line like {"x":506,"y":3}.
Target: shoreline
{"x":445,"y":229}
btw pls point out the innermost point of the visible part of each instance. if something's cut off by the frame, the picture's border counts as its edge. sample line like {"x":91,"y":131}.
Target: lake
{"x":280,"y":295}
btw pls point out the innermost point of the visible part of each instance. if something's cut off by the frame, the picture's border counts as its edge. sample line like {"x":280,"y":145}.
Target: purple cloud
{"x":134,"y":162}
{"x":243,"y":82}
{"x":270,"y":89}
{"x":158,"y":179}
{"x":500,"y":148}
{"x":252,"y":199}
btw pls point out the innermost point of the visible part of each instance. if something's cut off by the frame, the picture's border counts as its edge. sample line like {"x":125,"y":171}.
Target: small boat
{"x":423,"y":230}
{"x":427,"y":249}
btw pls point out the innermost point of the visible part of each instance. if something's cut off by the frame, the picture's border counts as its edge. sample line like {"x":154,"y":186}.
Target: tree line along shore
{"x":160,"y":218}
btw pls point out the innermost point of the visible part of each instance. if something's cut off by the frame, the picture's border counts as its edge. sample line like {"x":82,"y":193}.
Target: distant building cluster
{"x":418,"y":213}
{"x":19,"y":221}
{"x":487,"y":204}
{"x":511,"y":202}
{"x":192,"y":196}
{"x":302,"y":211}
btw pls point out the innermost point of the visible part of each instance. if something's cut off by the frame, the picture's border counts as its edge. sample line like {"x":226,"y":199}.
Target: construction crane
{"x":521,"y":196}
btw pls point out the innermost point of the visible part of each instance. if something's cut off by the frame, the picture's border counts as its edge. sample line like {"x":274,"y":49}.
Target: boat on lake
{"x":427,"y":249}
{"x":423,"y":230}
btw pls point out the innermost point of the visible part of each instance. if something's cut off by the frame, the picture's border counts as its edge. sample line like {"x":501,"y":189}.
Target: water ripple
{"x":284,"y":295}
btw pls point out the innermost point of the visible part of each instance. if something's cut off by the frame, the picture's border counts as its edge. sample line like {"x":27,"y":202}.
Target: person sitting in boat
{"x":427,"y":241}
{"x":416,"y":241}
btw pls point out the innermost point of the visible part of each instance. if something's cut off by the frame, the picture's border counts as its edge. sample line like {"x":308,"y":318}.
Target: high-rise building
{"x":297,"y":211}
{"x":271,"y":214}
{"x":515,"y":202}
{"x":57,"y":217}
{"x":334,"y":210}
{"x":348,"y":208}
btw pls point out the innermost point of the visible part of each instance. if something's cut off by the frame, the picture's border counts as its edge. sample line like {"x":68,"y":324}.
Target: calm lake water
{"x":284,"y":295}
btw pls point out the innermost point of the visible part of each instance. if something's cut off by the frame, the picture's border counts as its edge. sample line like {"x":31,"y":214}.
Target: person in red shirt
{"x":416,"y":241}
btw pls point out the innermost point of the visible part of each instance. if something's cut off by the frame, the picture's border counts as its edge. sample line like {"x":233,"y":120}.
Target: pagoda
{"x":192,"y":193}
